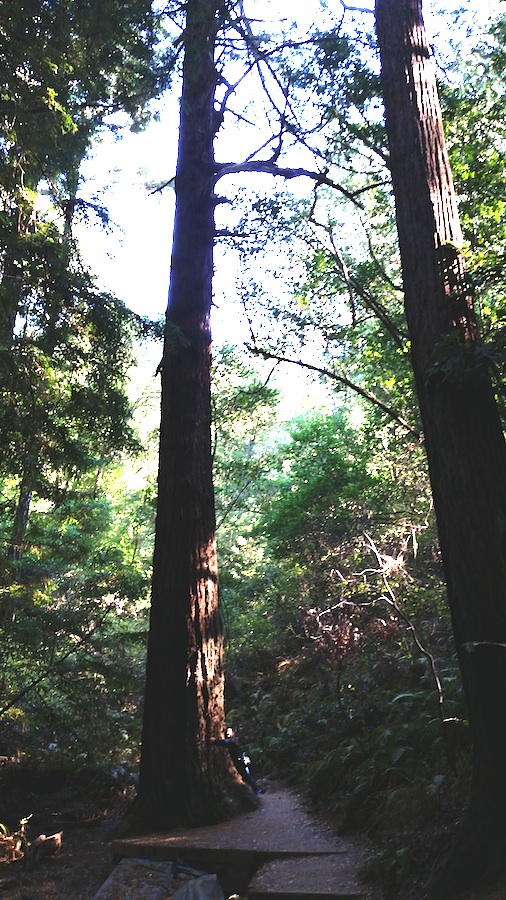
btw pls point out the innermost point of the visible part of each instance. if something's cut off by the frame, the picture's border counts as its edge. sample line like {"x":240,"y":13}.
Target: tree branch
{"x":269,"y":167}
{"x":335,"y":376}
{"x":354,"y":287}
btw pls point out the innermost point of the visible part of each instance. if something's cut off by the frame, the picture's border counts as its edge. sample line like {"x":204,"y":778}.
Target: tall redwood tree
{"x":464,"y":440}
{"x":183,"y":779}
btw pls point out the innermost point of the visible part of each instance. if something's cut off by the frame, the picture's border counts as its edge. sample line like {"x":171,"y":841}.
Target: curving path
{"x":276,"y":852}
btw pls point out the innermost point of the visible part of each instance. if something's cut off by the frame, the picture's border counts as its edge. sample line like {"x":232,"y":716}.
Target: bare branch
{"x":271,"y":168}
{"x":288,"y":117}
{"x":360,"y":9}
{"x":342,"y":379}
{"x":231,"y":88}
{"x":355,"y":288}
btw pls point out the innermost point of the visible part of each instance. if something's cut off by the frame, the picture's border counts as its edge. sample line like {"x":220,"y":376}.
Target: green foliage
{"x":66,"y":66}
{"x":63,"y":404}
{"x":373,"y":757}
{"x":464,"y":366}
{"x":243,"y":405}
{"x":65,"y":347}
{"x":73,"y":628}
{"x":244,"y":408}
{"x":475,"y":133}
{"x":343,"y":702}
{"x":339,"y":304}
{"x":324,"y":492}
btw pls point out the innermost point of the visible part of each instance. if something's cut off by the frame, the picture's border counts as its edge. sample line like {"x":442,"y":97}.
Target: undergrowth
{"x":369,"y":737}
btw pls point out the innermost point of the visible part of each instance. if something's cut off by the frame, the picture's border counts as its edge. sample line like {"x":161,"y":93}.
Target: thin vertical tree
{"x":463,"y":435}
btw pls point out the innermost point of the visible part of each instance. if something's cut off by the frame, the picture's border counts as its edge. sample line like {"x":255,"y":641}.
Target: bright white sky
{"x":133,"y":259}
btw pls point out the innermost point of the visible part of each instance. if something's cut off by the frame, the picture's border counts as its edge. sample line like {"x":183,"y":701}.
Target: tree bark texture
{"x":183,"y":779}
{"x":463,"y":435}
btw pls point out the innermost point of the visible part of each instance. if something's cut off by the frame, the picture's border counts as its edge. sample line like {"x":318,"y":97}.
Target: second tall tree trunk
{"x":463,"y":435}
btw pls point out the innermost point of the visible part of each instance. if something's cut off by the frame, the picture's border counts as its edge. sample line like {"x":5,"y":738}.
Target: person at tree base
{"x":239,"y":759}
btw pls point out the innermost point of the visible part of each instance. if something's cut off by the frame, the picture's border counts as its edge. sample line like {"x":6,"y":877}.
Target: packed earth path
{"x":90,"y":821}
{"x":91,"y":850}
{"x":277,"y":849}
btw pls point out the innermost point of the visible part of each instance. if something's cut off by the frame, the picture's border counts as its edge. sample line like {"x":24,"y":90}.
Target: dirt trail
{"x":267,"y":841}
{"x":282,"y":823}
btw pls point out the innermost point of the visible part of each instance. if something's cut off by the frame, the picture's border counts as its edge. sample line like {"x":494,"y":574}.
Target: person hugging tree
{"x":239,"y":759}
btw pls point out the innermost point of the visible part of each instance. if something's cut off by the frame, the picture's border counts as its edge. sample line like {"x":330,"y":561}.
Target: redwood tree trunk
{"x":464,"y":439}
{"x":183,"y":779}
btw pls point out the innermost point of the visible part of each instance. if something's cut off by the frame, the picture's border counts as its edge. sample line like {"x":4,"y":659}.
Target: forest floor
{"x":89,"y":820}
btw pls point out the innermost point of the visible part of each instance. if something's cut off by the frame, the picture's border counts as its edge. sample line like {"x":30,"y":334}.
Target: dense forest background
{"x":341,"y":673}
